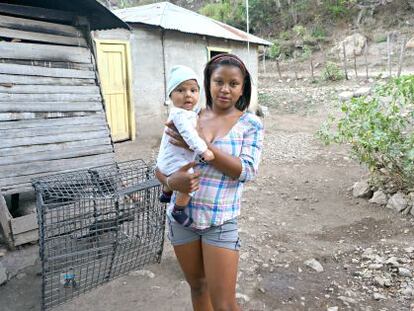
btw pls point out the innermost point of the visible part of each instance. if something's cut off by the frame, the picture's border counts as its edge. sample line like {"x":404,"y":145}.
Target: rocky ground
{"x":307,"y":243}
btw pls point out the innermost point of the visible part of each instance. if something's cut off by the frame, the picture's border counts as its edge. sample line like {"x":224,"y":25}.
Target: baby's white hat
{"x":179,"y":74}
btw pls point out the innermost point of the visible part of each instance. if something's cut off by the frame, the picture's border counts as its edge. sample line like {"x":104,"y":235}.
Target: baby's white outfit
{"x":171,"y":158}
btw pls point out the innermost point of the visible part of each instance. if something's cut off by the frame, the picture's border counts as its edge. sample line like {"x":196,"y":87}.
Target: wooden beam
{"x":37,"y":13}
{"x":41,"y":37}
{"x":49,"y":89}
{"x":16,"y":69}
{"x":56,"y":155}
{"x":50,"y":106}
{"x":24,"y":223}
{"x":50,"y":97}
{"x":32,"y":51}
{"x":19,"y":116}
{"x":49,"y":131}
{"x":59,"y":138}
{"x":36,"y":169}
{"x":5,"y":218}
{"x":54,"y":148}
{"x":69,"y":121}
{"x":26,"y":237}
{"x":39,"y":26}
{"x":49,"y":64}
{"x":7,"y":79}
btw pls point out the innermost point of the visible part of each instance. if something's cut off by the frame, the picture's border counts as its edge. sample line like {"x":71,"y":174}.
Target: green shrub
{"x":299,"y":30}
{"x":274,"y":50}
{"x":318,"y":33}
{"x":285,"y":35}
{"x":379,"y":129}
{"x":332,"y":72}
{"x":380,"y":38}
{"x":306,"y":52}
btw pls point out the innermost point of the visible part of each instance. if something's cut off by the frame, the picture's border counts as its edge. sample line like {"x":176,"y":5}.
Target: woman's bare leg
{"x":190,"y":258}
{"x":220,"y":267}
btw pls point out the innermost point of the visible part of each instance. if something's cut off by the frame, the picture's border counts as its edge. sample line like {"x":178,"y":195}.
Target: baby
{"x":183,"y":89}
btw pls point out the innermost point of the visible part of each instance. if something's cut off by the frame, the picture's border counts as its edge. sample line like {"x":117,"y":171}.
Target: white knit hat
{"x":179,"y":74}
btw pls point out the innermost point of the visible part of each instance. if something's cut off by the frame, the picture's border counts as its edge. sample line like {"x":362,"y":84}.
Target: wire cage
{"x":95,"y":225}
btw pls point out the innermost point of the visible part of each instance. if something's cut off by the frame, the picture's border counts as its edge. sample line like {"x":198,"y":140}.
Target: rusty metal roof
{"x":169,"y":16}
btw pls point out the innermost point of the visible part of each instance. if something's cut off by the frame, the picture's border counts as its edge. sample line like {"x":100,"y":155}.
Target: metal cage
{"x":95,"y":225}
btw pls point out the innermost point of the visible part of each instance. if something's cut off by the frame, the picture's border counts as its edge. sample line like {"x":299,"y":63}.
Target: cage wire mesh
{"x":95,"y":225}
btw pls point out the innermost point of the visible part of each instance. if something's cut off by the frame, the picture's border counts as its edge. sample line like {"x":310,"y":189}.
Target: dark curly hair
{"x":228,"y":60}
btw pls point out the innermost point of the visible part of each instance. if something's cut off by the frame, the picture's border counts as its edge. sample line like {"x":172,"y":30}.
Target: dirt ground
{"x":299,"y":208}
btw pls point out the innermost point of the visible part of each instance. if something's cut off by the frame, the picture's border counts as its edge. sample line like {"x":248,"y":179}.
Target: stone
{"x":314,"y":264}
{"x":332,"y":308}
{"x":362,"y":91}
{"x":346,"y":95}
{"x":375,"y":266}
{"x":379,"y":198}
{"x":410,"y":44}
{"x":146,"y":273}
{"x":243,"y":297}
{"x":393,"y":261}
{"x":3,"y":274}
{"x":407,"y":292}
{"x":378,"y":296}
{"x":347,"y":300}
{"x":398,"y":202}
{"x":382,"y":281}
{"x":353,"y":44}
{"x":404,"y":272}
{"x":361,"y":189}
{"x":409,"y":250}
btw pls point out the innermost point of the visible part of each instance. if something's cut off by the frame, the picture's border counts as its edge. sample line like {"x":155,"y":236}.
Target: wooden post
{"x":355,"y":65}
{"x":366,"y":59}
{"x":401,"y":58}
{"x":345,"y":68}
{"x":264,"y":60}
{"x":278,"y":68}
{"x":389,"y":53}
{"x":294,"y":68}
{"x":5,"y":226}
{"x":311,"y":67}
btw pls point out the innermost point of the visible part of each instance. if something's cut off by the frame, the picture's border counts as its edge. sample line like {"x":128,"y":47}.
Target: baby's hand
{"x":208,"y":155}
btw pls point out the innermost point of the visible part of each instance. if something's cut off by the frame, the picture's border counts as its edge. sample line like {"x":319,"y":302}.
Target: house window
{"x":213,"y":51}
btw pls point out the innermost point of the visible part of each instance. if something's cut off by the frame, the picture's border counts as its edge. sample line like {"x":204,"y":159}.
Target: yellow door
{"x":113,"y":67}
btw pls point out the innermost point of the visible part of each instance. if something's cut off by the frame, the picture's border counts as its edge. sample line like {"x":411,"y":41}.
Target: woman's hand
{"x":181,"y":180}
{"x":175,"y":137}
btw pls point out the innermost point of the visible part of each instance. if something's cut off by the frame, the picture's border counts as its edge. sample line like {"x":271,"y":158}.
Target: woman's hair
{"x":228,"y":60}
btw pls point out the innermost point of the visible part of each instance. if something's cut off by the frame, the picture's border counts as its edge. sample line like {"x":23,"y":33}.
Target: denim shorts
{"x":225,"y":235}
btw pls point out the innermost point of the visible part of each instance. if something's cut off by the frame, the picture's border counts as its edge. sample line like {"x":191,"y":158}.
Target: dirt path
{"x":299,"y":208}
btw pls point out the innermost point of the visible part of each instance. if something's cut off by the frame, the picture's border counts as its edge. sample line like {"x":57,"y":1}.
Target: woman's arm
{"x":181,"y":180}
{"x":226,"y":163}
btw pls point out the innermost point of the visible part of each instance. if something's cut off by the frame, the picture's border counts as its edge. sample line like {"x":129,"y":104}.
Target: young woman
{"x":208,"y":250}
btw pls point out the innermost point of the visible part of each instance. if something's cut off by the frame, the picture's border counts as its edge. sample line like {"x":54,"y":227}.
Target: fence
{"x":355,"y":66}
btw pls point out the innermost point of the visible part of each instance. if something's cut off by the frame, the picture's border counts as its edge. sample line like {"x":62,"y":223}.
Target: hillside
{"x":273,"y":19}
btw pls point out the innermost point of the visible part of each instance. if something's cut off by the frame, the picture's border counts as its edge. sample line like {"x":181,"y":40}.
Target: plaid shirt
{"x":219,"y":196}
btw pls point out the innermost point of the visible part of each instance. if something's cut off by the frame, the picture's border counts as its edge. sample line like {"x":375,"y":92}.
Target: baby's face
{"x":186,"y":95}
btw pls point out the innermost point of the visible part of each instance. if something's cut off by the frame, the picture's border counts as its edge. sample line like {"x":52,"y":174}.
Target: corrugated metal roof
{"x":169,"y":16}
{"x":100,"y":17}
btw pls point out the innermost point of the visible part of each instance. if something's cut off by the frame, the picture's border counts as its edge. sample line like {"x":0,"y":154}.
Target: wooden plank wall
{"x":51,"y":112}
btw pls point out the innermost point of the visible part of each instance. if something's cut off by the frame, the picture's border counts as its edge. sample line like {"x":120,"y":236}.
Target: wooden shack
{"x":52,"y":117}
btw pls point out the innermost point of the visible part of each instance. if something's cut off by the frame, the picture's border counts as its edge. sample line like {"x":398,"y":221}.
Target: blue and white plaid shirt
{"x":219,"y":196}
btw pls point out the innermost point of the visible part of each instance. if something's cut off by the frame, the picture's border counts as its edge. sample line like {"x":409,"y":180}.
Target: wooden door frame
{"x":131,"y":106}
